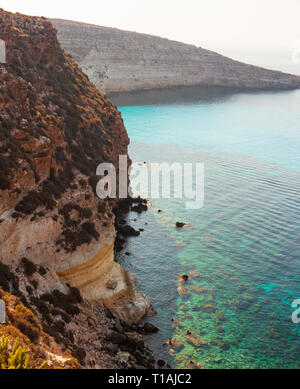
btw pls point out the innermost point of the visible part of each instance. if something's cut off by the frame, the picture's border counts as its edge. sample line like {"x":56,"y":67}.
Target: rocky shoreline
{"x":128,"y":343}
{"x":136,"y":334}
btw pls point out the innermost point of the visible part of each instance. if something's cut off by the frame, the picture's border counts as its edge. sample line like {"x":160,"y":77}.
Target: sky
{"x":251,"y":30}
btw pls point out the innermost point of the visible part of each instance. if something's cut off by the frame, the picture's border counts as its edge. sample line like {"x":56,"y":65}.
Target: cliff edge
{"x":56,"y":236}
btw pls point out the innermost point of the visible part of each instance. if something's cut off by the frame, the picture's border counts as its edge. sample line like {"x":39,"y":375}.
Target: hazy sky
{"x":226,"y":26}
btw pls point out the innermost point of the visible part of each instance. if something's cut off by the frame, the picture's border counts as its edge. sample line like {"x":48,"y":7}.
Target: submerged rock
{"x":225,"y":345}
{"x":198,"y":289}
{"x":181,"y":290}
{"x":177,"y":322}
{"x":195,"y":339}
{"x":196,"y":364}
{"x":208,"y":307}
{"x":174,"y":343}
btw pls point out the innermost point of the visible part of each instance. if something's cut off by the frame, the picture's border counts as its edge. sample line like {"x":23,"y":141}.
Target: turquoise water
{"x":242,"y":248}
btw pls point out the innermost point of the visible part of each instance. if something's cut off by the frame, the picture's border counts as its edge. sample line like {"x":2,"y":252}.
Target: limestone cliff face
{"x":55,"y":128}
{"x":117,"y":60}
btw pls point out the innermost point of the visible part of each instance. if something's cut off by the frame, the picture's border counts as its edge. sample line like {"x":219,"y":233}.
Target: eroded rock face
{"x":117,"y":60}
{"x":55,"y":128}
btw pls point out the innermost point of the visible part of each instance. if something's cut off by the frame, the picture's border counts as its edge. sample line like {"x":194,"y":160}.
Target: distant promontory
{"x":117,"y":60}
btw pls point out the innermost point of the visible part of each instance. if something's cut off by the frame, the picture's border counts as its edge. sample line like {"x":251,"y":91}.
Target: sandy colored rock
{"x":196,"y":364}
{"x":111,"y":284}
{"x":198,"y":289}
{"x":174,"y":343}
{"x":195,"y":339}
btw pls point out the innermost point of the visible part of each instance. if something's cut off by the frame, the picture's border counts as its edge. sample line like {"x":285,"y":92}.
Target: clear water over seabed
{"x":242,"y":249}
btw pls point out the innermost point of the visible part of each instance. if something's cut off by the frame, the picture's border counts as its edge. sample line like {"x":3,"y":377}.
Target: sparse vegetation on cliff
{"x":66,"y":302}
{"x":54,"y":124}
{"x":23,"y":343}
{"x":76,"y":232}
{"x":13,"y":356}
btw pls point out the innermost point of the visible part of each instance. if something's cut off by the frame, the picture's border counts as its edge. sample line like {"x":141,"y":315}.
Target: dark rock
{"x":151,"y":360}
{"x":161,"y":363}
{"x":144,"y":329}
{"x":140,"y":359}
{"x":135,"y":366}
{"x":127,"y":231}
{"x":118,"y":327}
{"x":119,"y":243}
{"x":150,"y":328}
{"x":110,"y":348}
{"x":117,"y":338}
{"x":139,"y":208}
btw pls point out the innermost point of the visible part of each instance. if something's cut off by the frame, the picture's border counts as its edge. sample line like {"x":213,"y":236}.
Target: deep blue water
{"x":242,"y":248}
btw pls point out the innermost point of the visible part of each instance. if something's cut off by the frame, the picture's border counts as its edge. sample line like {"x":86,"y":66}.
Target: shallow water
{"x":242,"y":248}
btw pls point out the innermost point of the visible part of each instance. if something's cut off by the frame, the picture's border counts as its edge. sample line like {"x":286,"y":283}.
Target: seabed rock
{"x":174,"y":343}
{"x":208,"y":307}
{"x":225,"y":345}
{"x":198,"y":289}
{"x":195,"y":339}
{"x":196,"y":364}
{"x":185,"y":277}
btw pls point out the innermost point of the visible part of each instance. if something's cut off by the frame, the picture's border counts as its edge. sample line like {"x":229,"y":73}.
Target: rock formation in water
{"x":117,"y":60}
{"x":56,"y":235}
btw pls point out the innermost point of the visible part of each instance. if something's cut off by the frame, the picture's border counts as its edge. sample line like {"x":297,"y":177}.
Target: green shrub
{"x":26,"y":322}
{"x":14,"y":356}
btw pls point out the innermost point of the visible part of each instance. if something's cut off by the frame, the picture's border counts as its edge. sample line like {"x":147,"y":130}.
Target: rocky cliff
{"x":56,"y":235}
{"x":117,"y":60}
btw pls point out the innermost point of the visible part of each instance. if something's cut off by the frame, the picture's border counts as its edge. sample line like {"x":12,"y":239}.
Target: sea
{"x":241,"y":249}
